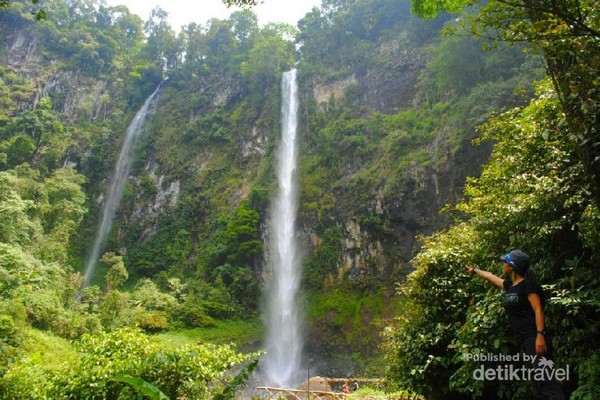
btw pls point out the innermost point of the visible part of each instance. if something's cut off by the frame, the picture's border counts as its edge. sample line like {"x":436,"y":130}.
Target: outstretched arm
{"x":496,"y":280}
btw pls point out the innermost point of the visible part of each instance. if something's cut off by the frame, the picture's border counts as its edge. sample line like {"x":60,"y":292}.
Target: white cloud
{"x":182,"y":12}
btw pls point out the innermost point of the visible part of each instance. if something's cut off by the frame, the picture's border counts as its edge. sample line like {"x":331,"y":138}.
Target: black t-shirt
{"x":521,"y":317}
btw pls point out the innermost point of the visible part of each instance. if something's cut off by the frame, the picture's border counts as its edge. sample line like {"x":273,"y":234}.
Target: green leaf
{"x":142,"y":387}
{"x":239,"y":381}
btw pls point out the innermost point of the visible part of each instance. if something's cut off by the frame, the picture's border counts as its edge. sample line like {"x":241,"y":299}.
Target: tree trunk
{"x":573,"y":62}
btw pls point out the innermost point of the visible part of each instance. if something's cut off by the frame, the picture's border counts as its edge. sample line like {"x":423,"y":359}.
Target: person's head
{"x":516,"y":261}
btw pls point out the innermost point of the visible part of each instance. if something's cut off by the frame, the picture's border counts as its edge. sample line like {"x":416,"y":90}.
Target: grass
{"x":241,"y":333}
{"x":47,"y":350}
{"x":50,"y":351}
{"x":375,"y":394}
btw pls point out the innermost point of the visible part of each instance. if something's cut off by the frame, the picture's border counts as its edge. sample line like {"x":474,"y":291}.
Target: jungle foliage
{"x":186,"y":253}
{"x":95,"y":369}
{"x":538,"y":193}
{"x":56,"y":157}
{"x":567,"y":33}
{"x":354,"y":157}
{"x":530,"y":195}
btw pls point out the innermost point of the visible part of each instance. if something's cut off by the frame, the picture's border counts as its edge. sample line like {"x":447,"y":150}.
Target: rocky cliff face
{"x":210,"y":147}
{"x":323,"y":93}
{"x":74,"y":96}
{"x":23,"y":50}
{"x":387,"y":84}
{"x":384,"y":249}
{"x":149,"y":207}
{"x":87,"y":103}
{"x":363,"y":255}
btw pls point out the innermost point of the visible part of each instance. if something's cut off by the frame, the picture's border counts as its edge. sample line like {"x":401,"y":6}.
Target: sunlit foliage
{"x":531,"y":195}
{"x":196,"y":371}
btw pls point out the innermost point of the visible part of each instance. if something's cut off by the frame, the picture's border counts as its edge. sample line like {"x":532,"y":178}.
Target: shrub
{"x":43,"y":307}
{"x":24,"y":380}
{"x":152,"y":321}
{"x":589,"y":384}
{"x":192,"y":371}
{"x":72,"y":324}
{"x":194,"y":316}
{"x":148,"y":296}
{"x":9,"y":339}
{"x":530,"y":195}
{"x":113,"y":310}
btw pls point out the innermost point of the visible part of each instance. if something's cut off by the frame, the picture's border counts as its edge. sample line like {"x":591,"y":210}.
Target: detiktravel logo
{"x":517,"y":367}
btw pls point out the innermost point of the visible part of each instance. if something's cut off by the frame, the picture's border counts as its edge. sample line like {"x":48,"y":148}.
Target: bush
{"x":25,"y":380}
{"x":152,"y":321}
{"x":72,"y":324}
{"x":15,"y":309}
{"x":114,"y":309}
{"x":194,"y":316}
{"x":190,"y":371}
{"x":148,"y":296}
{"x":43,"y":307}
{"x":528,"y":196}
{"x":589,"y":379}
{"x":28,"y":373}
{"x":9,"y":340}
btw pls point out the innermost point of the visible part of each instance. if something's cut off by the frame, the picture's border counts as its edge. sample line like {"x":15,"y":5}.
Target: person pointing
{"x":524,"y":303}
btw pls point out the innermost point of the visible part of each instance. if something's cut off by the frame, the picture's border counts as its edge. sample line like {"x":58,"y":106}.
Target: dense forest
{"x":433,"y":136}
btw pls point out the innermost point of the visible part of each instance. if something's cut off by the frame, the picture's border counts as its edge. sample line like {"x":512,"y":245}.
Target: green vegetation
{"x":568,"y":37}
{"x":102,"y":360}
{"x":538,"y":192}
{"x":39,"y":13}
{"x":180,"y":282}
{"x":202,"y":256}
{"x":341,"y":37}
{"x":349,"y":321}
{"x":352,"y":155}
{"x":530,"y":195}
{"x":242,"y":333}
{"x":370,"y":393}
{"x":142,"y":387}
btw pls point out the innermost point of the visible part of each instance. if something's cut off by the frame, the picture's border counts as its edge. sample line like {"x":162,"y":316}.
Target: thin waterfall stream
{"x":284,"y":338}
{"x":117,"y":184}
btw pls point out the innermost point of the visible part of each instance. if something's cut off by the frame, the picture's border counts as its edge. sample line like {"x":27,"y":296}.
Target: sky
{"x":182,"y":12}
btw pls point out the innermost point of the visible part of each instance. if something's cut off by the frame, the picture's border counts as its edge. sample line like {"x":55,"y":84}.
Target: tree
{"x":117,"y":274}
{"x":229,"y":256}
{"x":241,"y":3}
{"x":220,"y":45}
{"x":530,"y":196}
{"x":16,"y":224}
{"x":245,"y":24}
{"x":62,"y":213}
{"x":269,"y":56}
{"x":39,"y":14}
{"x":568,"y":33}
{"x":163,"y":46}
{"x":41,"y":215}
{"x":37,"y":136}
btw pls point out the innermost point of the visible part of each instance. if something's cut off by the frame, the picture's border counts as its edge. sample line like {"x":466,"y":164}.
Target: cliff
{"x":380,"y":151}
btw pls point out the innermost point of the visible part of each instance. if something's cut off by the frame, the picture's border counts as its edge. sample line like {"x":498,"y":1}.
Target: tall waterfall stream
{"x":284,"y":338}
{"x":117,"y":184}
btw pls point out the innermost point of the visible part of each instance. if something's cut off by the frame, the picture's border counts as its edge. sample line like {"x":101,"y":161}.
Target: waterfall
{"x":119,"y":178}
{"x":284,"y":341}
